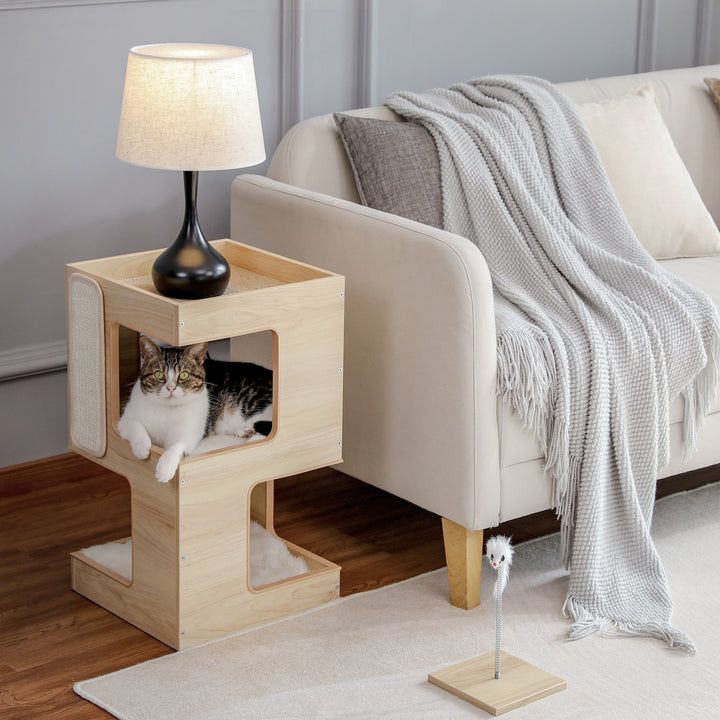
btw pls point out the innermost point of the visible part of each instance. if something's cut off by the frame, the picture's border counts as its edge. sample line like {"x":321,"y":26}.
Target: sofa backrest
{"x":311,"y":154}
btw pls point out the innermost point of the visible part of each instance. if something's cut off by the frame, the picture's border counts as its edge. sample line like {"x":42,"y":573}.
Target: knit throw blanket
{"x":594,"y":338}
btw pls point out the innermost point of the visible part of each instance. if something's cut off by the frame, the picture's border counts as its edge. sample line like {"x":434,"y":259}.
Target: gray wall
{"x":65,"y":197}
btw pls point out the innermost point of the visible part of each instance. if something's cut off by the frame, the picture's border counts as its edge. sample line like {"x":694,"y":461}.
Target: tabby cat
{"x":182,"y":396}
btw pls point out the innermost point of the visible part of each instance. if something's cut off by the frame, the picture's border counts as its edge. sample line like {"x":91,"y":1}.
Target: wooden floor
{"x":50,"y":637}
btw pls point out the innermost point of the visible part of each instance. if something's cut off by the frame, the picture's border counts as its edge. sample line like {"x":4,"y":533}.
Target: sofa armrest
{"x":420,"y":360}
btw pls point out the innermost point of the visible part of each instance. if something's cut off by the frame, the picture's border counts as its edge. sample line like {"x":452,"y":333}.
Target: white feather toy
{"x":499,"y":552}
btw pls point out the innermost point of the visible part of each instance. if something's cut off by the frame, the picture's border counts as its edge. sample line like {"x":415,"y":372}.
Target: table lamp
{"x":190,"y":107}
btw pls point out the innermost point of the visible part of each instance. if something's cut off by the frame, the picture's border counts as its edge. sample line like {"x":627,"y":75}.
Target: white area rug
{"x":368,"y":656}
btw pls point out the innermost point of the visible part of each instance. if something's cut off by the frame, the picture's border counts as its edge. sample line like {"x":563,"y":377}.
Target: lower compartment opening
{"x":272,"y":559}
{"x":231,"y":381}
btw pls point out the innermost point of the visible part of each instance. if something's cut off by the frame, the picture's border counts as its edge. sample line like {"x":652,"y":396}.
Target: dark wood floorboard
{"x":50,"y":637}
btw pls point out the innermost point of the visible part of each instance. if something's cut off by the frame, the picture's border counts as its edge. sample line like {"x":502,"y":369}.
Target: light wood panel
{"x":262,"y":503}
{"x":264,"y":309}
{"x":463,"y":553}
{"x":269,"y":264}
{"x":307,"y":434}
{"x":132,"y":300}
{"x":151,"y":600}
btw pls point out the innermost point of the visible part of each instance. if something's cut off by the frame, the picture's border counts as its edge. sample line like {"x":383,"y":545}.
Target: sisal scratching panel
{"x":86,"y":364}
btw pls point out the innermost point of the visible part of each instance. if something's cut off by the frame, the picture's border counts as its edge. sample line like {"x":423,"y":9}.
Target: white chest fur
{"x":176,"y":425}
{"x":169,"y":421}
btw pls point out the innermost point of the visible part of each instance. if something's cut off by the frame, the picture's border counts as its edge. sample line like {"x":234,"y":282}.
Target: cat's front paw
{"x":141,"y":446}
{"x":166,"y":467}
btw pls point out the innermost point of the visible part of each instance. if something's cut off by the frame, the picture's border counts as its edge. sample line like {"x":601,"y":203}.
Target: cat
{"x":169,"y":404}
{"x":241,"y":395}
{"x":182,"y":396}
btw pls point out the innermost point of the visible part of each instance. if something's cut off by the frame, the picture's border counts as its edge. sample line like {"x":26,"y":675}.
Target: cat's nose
{"x":171,"y":388}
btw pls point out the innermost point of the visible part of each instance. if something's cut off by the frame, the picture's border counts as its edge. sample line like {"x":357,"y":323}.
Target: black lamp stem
{"x":190,"y":182}
{"x":191,"y":268}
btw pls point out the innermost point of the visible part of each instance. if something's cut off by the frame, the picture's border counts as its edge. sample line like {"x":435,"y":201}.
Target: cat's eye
{"x":158,"y":375}
{"x":184,"y":375}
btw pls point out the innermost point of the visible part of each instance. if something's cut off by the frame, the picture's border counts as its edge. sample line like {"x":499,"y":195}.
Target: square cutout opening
{"x":235,"y":376}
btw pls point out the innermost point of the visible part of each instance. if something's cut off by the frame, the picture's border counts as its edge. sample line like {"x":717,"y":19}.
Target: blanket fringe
{"x":700,"y":395}
{"x":585,"y":623}
{"x":526,"y":377}
{"x":526,"y":380}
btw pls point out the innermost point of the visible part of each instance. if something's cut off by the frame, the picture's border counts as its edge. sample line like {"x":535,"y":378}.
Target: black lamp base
{"x":191,"y":268}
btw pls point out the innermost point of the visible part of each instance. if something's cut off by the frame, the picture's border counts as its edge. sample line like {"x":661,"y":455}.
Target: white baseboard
{"x":32,"y":360}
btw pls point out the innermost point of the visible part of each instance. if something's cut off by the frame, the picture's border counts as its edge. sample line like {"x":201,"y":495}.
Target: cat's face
{"x":171,"y":375}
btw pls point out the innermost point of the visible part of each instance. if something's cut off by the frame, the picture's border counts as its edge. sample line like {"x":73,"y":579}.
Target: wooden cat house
{"x":190,"y":537}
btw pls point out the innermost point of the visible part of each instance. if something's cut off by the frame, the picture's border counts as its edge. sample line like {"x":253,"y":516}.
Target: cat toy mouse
{"x":499,"y":552}
{"x":473,"y":679}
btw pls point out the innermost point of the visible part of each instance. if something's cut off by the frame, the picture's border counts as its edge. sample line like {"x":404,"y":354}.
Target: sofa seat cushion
{"x":519,"y":445}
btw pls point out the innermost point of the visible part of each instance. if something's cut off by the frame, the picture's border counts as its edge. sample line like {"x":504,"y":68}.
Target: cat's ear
{"x":148,"y":349}
{"x":197,"y":353}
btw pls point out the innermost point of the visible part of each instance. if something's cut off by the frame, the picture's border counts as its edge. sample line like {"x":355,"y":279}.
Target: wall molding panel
{"x":292,"y":64}
{"x":367,"y":45}
{"x":33,"y":360}
{"x":647,"y":36}
{"x":703,"y":32}
{"x":28,"y":4}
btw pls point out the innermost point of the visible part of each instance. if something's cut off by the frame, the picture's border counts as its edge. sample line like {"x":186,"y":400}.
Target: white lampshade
{"x":190,"y":107}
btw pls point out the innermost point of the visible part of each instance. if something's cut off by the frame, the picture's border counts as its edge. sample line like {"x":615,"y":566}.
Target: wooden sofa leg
{"x":463,"y":553}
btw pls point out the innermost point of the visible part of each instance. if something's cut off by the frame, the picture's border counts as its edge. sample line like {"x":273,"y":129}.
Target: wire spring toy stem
{"x":498,"y":621}
{"x":499,"y":552}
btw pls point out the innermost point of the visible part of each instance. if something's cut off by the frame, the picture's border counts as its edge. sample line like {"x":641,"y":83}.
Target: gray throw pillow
{"x":396,"y":166}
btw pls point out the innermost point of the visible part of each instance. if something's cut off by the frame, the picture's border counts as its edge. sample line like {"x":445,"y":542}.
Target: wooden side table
{"x":190,"y":537}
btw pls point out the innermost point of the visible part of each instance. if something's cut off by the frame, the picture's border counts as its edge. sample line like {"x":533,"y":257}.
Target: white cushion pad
{"x":649,"y":178}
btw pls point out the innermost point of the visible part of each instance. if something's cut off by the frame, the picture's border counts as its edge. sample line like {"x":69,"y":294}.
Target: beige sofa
{"x":422,"y":419}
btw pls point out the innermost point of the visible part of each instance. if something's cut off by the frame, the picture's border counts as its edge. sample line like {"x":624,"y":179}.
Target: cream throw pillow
{"x":649,"y":178}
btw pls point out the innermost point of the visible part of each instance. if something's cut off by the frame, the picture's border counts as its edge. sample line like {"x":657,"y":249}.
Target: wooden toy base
{"x":474,"y":680}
